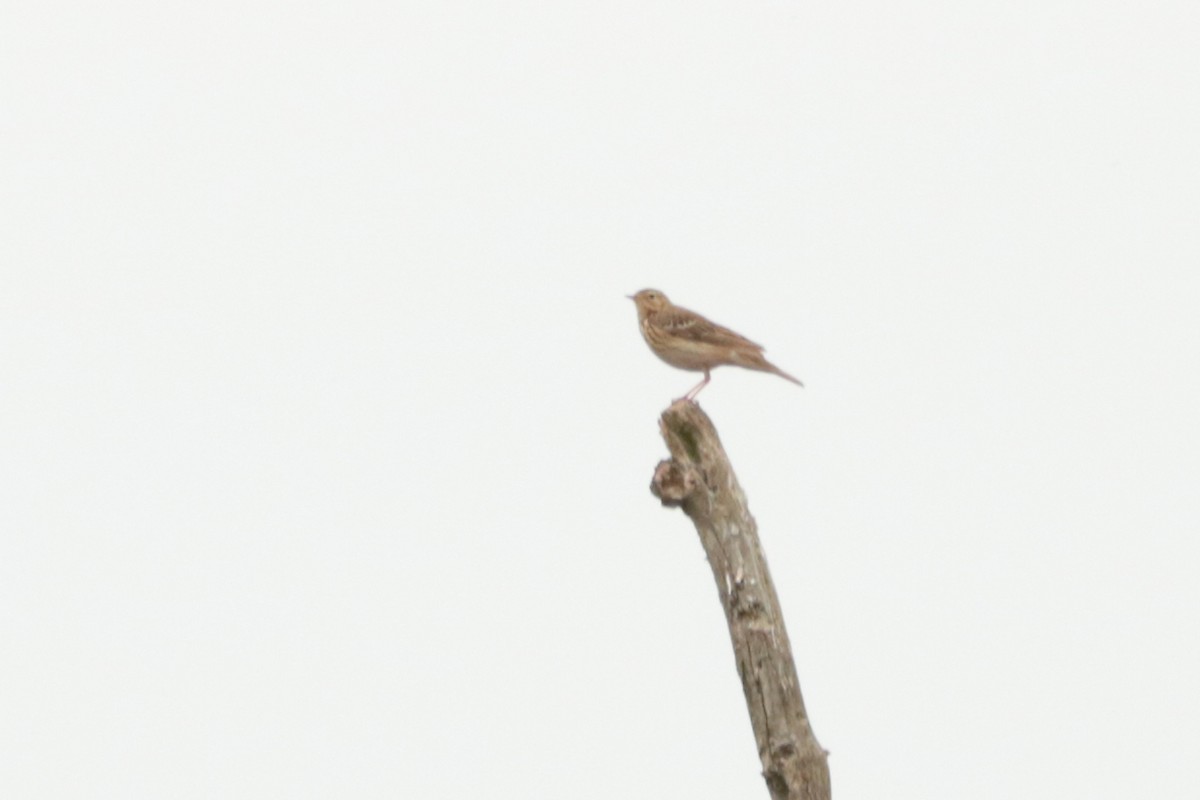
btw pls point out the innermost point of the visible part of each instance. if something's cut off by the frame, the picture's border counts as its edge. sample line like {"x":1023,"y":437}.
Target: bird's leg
{"x":691,"y":396}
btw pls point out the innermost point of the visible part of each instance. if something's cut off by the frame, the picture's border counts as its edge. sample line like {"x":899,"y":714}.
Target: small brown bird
{"x":686,"y":340}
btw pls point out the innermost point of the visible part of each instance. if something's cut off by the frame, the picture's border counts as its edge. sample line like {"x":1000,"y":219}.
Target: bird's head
{"x":649,"y":301}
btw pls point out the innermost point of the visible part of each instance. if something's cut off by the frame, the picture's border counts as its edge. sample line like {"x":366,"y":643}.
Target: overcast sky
{"x":326,"y":430}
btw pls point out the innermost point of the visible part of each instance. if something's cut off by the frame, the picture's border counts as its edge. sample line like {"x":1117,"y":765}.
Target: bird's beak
{"x":631,"y":297}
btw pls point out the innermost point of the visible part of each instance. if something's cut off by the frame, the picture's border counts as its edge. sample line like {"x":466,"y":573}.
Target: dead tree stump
{"x":699,"y":479}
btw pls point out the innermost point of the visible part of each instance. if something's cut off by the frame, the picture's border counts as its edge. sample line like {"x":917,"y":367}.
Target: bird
{"x":686,"y":340}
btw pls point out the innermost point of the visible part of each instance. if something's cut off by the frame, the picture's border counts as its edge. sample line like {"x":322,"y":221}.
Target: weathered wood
{"x":699,"y":479}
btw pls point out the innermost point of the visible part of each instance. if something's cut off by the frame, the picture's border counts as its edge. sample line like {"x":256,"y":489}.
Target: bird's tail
{"x":758,"y":362}
{"x":784,"y":375}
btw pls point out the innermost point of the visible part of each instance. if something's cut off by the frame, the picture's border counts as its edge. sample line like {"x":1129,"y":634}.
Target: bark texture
{"x":699,"y":479}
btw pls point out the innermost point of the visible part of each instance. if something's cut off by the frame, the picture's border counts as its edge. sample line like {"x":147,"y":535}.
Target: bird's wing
{"x":691,"y":326}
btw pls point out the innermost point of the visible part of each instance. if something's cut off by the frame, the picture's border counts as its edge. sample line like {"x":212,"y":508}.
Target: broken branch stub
{"x":699,"y":479}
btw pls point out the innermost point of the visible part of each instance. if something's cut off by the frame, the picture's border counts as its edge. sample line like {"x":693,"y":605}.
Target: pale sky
{"x":326,"y":430}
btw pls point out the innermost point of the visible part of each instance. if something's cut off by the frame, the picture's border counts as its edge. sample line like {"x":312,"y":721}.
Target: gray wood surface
{"x":699,"y":479}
